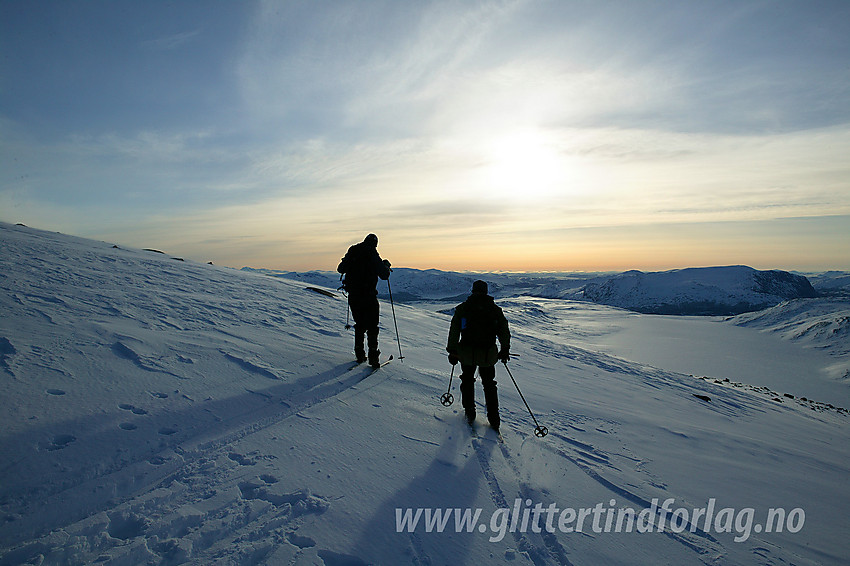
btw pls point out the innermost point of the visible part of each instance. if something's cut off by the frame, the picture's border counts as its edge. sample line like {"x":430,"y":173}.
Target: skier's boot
{"x":374,"y":358}
{"x":359,"y":349}
{"x":470,"y":415}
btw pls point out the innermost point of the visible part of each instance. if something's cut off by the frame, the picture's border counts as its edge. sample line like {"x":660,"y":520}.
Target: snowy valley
{"x":159,"y":411}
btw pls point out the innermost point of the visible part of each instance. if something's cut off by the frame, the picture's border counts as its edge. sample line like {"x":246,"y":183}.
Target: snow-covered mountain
{"x":831,"y":283}
{"x":408,"y":285}
{"x":417,"y":285}
{"x":700,"y":291}
{"x":727,"y":290}
{"x":171,"y":412}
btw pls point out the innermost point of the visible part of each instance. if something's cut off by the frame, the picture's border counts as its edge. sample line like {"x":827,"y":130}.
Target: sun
{"x":525,"y":165}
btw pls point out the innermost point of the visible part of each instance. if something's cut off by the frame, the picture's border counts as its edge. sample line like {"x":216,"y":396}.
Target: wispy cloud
{"x":487,"y":128}
{"x":170,"y":42}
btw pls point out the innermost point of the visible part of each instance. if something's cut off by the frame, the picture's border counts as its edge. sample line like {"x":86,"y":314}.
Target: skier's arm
{"x":382,"y":268}
{"x":454,"y":335}
{"x":343,"y":265}
{"x":504,"y":333}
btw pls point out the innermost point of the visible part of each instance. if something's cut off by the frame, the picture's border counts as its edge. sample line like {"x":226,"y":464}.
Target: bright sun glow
{"x":526,"y":165}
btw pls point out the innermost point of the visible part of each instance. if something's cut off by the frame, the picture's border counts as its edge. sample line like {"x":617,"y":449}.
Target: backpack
{"x":355,"y":269}
{"x":479,"y":324}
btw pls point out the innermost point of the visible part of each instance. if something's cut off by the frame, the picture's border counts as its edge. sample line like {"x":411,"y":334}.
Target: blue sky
{"x":486,"y":135}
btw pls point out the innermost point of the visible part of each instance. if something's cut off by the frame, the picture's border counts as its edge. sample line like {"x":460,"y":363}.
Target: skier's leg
{"x":467,"y":390}
{"x":491,"y":396}
{"x":357,"y":303}
{"x":372,"y":342}
{"x":372,"y":315}
{"x":359,"y":348}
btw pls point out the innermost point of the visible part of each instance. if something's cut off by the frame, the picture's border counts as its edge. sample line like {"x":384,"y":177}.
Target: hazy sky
{"x":482,"y":135}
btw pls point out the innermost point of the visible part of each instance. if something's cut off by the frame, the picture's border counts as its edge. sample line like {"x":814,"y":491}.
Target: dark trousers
{"x":488,"y":382}
{"x":366,"y":314}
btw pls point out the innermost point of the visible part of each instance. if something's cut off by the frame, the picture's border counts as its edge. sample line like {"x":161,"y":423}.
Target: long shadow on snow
{"x":443,"y":485}
{"x":32,"y":477}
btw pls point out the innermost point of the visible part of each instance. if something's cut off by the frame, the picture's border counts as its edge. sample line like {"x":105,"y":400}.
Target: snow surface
{"x":822,"y":324}
{"x":169,"y":412}
{"x":711,"y":346}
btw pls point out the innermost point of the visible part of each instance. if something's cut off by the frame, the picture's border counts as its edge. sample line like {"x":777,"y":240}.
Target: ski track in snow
{"x":199,"y":474}
{"x":588,"y":460}
{"x":205,"y":485}
{"x":550,"y":551}
{"x":544,"y":548}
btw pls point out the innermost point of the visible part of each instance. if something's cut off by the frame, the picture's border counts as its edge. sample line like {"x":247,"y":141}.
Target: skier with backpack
{"x":361,"y":267}
{"x":475,"y":326}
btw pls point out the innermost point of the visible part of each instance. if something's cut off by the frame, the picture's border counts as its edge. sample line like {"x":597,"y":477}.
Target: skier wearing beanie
{"x":362,"y":266}
{"x":476,"y":324}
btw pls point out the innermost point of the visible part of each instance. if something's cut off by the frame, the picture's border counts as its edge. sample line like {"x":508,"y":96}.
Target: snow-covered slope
{"x":707,"y":290}
{"x":822,"y":323}
{"x":167,"y":412}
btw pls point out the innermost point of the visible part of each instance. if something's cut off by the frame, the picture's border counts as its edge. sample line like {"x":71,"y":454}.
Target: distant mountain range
{"x":725,"y":290}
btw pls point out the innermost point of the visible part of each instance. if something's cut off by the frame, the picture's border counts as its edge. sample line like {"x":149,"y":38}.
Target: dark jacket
{"x":362,"y":265}
{"x":476,"y":324}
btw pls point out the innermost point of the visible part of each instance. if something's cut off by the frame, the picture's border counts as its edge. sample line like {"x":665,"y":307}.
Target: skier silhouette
{"x":476,"y":324}
{"x":362,"y":266}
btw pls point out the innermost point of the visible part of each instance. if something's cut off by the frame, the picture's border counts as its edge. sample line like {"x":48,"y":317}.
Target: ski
{"x":373,"y":369}
{"x":382,"y":364}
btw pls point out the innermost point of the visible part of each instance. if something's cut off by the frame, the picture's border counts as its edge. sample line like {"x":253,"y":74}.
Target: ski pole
{"x":447,"y":398}
{"x":539,"y":431}
{"x":390,"y":289}
{"x":347,"y":302}
{"x":347,"y":319}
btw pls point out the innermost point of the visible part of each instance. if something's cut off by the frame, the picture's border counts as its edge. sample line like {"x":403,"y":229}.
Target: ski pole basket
{"x":447,"y":398}
{"x":539,"y":430}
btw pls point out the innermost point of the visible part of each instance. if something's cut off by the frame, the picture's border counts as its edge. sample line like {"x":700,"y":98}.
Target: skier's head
{"x":372,"y":240}
{"x":480,"y":287}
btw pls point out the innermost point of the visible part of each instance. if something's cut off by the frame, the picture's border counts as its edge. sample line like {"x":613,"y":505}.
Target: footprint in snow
{"x":301,"y":502}
{"x":330,"y":557}
{"x":132,"y":408}
{"x":57,"y":392}
{"x":242,"y":460}
{"x":301,"y":541}
{"x":7,"y":350}
{"x":125,"y":526}
{"x":58,"y":442}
